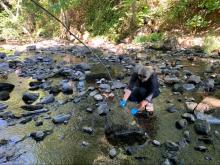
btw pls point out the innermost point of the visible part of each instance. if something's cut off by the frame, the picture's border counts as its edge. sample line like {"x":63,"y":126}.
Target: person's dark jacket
{"x":151,"y":85}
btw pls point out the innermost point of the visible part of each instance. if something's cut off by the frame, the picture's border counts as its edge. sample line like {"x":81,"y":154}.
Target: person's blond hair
{"x":145,"y":71}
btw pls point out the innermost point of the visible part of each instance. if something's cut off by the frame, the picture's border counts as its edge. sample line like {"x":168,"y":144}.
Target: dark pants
{"x":138,"y":94}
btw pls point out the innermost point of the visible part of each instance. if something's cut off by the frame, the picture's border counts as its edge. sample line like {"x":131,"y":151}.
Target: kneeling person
{"x":142,"y":88}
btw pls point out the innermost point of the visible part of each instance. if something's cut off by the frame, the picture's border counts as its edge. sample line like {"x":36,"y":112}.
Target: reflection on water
{"x":149,"y":124}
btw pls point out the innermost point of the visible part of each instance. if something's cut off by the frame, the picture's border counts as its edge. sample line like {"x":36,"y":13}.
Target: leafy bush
{"x":197,"y":21}
{"x":153,"y":37}
{"x":211,"y":43}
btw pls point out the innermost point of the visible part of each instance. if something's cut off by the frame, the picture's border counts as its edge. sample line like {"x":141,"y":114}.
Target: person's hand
{"x":142,"y":104}
{"x":134,"y":111}
{"x":122,"y":103}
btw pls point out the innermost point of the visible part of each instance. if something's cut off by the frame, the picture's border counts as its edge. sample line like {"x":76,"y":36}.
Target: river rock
{"x":171,"y":146}
{"x":156,"y":143}
{"x":88,"y":130}
{"x":66,"y":88}
{"x":32,"y":107}
{"x":6,"y":87}
{"x":2,"y":55}
{"x":177,"y":88}
{"x":182,"y":123}
{"x":105,"y":88}
{"x":90,"y":110}
{"x":4,"y":95}
{"x":170,"y":80}
{"x":166,"y":162}
{"x":77,"y":76}
{"x":54,"y":90}
{"x":209,"y":85}
{"x":25,"y":120}
{"x":93,"y":93}
{"x":83,"y":67}
{"x":112,"y":153}
{"x":38,"y":123}
{"x":61,"y":118}
{"x":38,"y":136}
{"x":29,"y":98}
{"x":202,"y":127}
{"x":98,"y":97}
{"x":103,"y":109}
{"x":190,"y":105}
{"x":201,"y":148}
{"x":48,"y":99}
{"x":189,"y":117}
{"x":31,"y":48}
{"x":171,"y":109}
{"x":36,"y":112}
{"x":118,"y":85}
{"x":188,"y":87}
{"x":194,"y":79}
{"x":3,"y":106}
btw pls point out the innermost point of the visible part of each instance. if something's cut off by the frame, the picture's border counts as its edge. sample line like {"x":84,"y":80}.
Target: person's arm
{"x":130,"y":86}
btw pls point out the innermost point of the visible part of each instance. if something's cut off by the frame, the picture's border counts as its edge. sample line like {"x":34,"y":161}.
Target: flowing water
{"x":64,"y":145}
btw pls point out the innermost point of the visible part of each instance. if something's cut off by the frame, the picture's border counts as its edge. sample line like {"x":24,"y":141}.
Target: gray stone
{"x":4,"y":95}
{"x":188,"y":87}
{"x":38,"y":136}
{"x":194,"y":79}
{"x":105,"y":88}
{"x":172,"y":109}
{"x":171,"y":80}
{"x":36,"y":112}
{"x":61,"y":118}
{"x":112,"y":153}
{"x":88,"y":130}
{"x":189,"y":117}
{"x":182,"y":123}
{"x":3,"y":106}
{"x":31,"y":48}
{"x":93,"y":93}
{"x":156,"y":143}
{"x":202,"y":127}
{"x":118,"y":85}
{"x":103,"y":109}
{"x":166,"y":162}
{"x":171,"y":146}
{"x":48,"y":99}
{"x":201,"y":148}
{"x":98,"y":97}
{"x":29,"y":98}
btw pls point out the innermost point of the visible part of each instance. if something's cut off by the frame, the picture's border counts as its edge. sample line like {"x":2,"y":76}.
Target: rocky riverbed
{"x":58,"y":106}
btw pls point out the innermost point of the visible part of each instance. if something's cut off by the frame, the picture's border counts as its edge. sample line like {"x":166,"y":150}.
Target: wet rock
{"x":190,"y":105}
{"x":29,"y":98}
{"x":4,"y":95}
{"x":171,"y":146}
{"x":32,"y":107}
{"x":3,"y":106}
{"x":177,"y":88}
{"x":6,"y":87}
{"x":171,"y":109}
{"x":156,"y":143}
{"x":189,"y":117}
{"x":31,"y":48}
{"x":3,"y":142}
{"x":54,"y":90}
{"x":88,"y":130}
{"x":182,"y":123}
{"x":166,"y":162}
{"x":200,"y":148}
{"x":61,"y":118}
{"x":186,"y":134}
{"x":66,"y":88}
{"x":36,"y":112}
{"x":105,"y":88}
{"x":112,"y":153}
{"x":90,"y":110}
{"x":2,"y":55}
{"x":38,"y":136}
{"x":77,"y":100}
{"x":202,"y":127}
{"x":103,"y":109}
{"x":25,"y":120}
{"x":118,"y":85}
{"x":209,"y":85}
{"x":83,"y":67}
{"x":93,"y":93}
{"x":194,"y":79}
{"x":206,"y":140}
{"x":48,"y":99}
{"x":38,"y":123}
{"x":98,"y":97}
{"x":77,"y":76}
{"x":84,"y":143}
{"x":120,"y":134}
{"x":188,"y":87}
{"x":170,"y":80}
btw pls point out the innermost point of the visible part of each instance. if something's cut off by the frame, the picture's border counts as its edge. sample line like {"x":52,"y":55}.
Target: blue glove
{"x":122,"y":103}
{"x":134,"y":111}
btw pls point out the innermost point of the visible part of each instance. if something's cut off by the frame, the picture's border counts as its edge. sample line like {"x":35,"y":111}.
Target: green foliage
{"x":196,"y":22}
{"x":210,"y":5}
{"x":211,"y":43}
{"x":153,"y":37}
